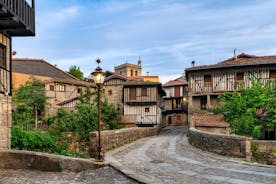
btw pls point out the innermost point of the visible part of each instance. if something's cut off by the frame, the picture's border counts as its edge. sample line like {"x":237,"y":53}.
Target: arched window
{"x":131,"y":73}
{"x":136,"y":73}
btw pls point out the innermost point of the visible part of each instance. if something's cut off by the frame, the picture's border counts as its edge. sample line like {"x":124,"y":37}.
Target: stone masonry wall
{"x":264,"y":145}
{"x":5,"y":121}
{"x":17,"y":159}
{"x":231,"y":145}
{"x":115,"y":138}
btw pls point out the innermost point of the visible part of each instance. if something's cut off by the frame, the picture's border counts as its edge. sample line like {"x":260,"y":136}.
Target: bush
{"x":252,"y":111}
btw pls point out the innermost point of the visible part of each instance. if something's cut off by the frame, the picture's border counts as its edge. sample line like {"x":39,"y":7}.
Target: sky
{"x":166,"y":34}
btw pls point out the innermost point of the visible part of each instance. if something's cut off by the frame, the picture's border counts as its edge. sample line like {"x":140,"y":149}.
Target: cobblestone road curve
{"x":168,"y":158}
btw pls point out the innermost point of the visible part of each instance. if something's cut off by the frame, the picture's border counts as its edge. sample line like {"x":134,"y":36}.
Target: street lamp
{"x":98,"y":76}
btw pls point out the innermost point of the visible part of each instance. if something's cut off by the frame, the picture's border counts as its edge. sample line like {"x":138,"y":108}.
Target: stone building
{"x":175,"y":101}
{"x":62,"y":89}
{"x":129,"y":70}
{"x":208,"y":81}
{"x":14,"y":22}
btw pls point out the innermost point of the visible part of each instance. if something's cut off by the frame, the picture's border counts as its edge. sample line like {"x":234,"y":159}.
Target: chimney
{"x":193,"y":63}
{"x":14,"y":54}
{"x":235,"y":55}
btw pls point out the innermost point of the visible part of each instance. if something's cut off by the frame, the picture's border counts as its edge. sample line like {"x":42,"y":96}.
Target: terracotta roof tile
{"x":176,"y":82}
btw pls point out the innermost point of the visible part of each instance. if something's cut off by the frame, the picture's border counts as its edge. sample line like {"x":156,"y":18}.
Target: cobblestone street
{"x":104,"y":175}
{"x":168,"y":158}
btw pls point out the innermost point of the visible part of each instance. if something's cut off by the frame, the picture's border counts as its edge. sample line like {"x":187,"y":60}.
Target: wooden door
{"x":132,"y":93}
{"x":177,"y":91}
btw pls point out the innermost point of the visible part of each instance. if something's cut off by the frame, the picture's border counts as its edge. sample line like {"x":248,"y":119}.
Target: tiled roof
{"x":209,"y":120}
{"x":38,"y":67}
{"x":241,"y":60}
{"x":177,"y":82}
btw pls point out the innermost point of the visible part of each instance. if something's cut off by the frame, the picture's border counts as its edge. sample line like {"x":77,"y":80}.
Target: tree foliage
{"x":252,"y":111}
{"x":75,"y":71}
{"x":31,"y":95}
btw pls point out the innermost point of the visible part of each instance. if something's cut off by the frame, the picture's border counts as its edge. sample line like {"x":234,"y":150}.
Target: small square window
{"x":147,"y":109}
{"x":110,"y":92}
{"x":79,"y":90}
{"x":52,"y":88}
{"x":240,"y":76}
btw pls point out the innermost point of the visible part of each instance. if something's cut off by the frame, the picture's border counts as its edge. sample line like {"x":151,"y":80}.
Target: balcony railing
{"x":19,"y":13}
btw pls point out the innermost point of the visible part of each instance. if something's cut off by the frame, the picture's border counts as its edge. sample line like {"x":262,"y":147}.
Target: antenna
{"x":235,"y":55}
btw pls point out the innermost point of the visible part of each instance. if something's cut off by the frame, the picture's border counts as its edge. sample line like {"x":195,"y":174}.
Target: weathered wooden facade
{"x":16,"y":19}
{"x":113,"y":88}
{"x":62,"y":89}
{"x":143,"y":103}
{"x":207,"y":82}
{"x":175,"y":102}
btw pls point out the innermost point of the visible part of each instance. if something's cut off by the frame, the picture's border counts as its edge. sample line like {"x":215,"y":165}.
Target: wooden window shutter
{"x":132,"y":93}
{"x":207,"y":80}
{"x":2,"y":56}
{"x":272,"y":74}
{"x":176,"y":91}
{"x":144,"y":91}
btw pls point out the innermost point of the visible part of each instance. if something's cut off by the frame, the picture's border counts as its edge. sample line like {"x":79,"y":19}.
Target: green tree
{"x":75,"y":71}
{"x":252,"y":111}
{"x":33,"y":95}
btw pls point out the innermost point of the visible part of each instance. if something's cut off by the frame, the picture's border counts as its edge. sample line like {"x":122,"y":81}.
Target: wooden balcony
{"x":17,"y":17}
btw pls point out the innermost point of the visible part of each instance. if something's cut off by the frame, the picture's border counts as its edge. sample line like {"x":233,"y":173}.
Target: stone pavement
{"x":105,"y":175}
{"x":168,"y":158}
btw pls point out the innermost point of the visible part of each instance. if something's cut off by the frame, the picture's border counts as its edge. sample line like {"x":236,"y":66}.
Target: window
{"x":110,"y":92}
{"x":144,"y":92}
{"x":132,"y":93}
{"x":52,"y":88}
{"x":136,"y":73}
{"x":3,"y":62}
{"x":178,"y":117}
{"x":131,"y":73}
{"x":147,"y":109}
{"x":240,"y":76}
{"x":272,"y":74}
{"x":61,"y":87}
{"x":79,"y":90}
{"x":207,"y":80}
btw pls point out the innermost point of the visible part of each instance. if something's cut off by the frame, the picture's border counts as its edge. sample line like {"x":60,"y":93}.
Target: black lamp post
{"x":98,"y":76}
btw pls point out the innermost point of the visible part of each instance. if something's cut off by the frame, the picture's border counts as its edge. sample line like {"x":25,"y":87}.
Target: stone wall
{"x":5,"y":121}
{"x":115,"y":138}
{"x":231,"y":145}
{"x":264,"y":145}
{"x":15,"y":159}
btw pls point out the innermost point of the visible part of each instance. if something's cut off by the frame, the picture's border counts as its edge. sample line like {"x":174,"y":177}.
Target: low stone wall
{"x":115,"y":138}
{"x":17,"y":159}
{"x":231,"y":145}
{"x":264,"y":145}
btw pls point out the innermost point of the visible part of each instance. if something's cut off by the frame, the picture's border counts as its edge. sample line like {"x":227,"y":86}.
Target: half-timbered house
{"x":142,"y":103}
{"x":207,"y":82}
{"x":62,"y":89}
{"x":16,"y":19}
{"x":175,"y":101}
